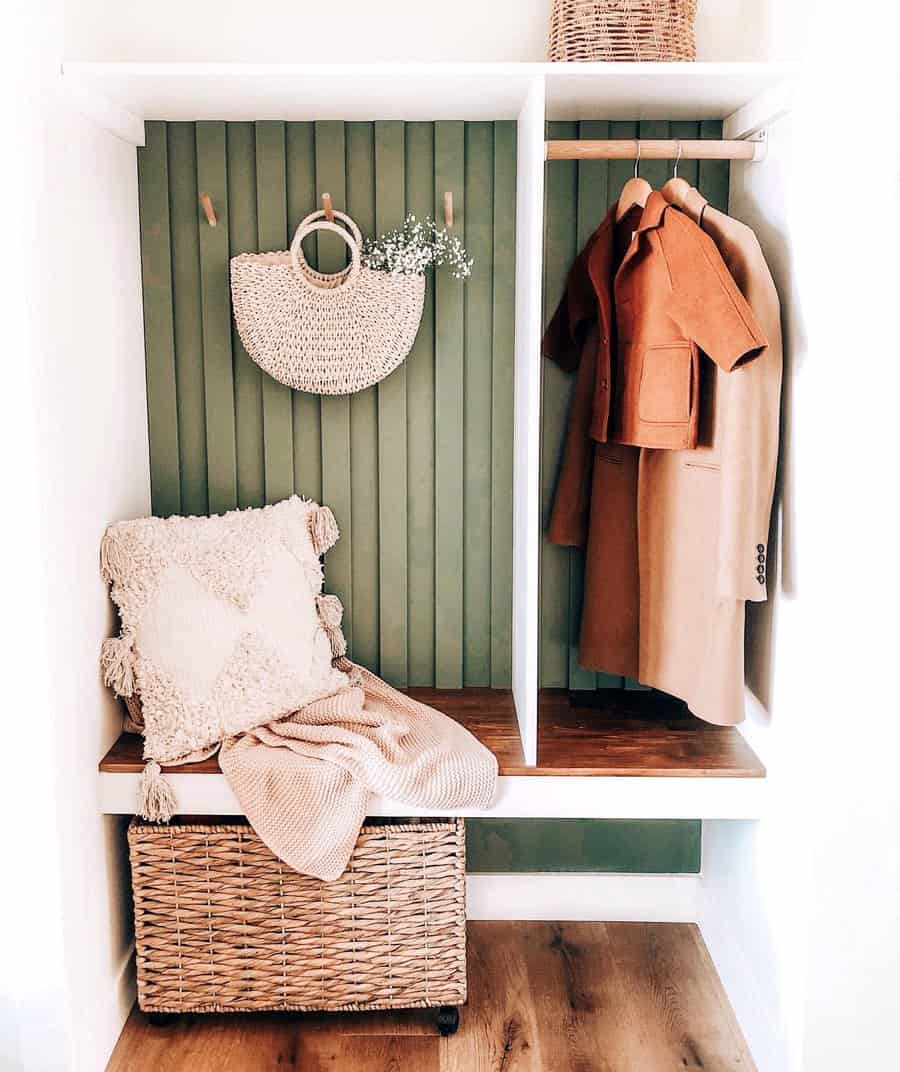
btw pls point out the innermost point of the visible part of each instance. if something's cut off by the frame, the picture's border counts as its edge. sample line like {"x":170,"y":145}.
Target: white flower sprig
{"x":415,"y":247}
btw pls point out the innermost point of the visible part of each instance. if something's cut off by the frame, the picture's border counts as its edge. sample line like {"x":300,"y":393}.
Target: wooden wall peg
{"x":448,"y":209}
{"x":328,"y":207}
{"x":206,"y":202}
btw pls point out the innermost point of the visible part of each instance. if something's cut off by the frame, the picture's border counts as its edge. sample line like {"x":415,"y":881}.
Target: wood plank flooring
{"x":543,"y":997}
{"x":609,"y":733}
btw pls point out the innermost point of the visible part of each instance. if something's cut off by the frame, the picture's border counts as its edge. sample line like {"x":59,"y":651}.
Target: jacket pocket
{"x":665,"y":390}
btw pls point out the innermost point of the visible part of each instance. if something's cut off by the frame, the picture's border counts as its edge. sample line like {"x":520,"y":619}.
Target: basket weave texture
{"x":622,"y":30}
{"x":222,"y":925}
{"x":325,"y":334}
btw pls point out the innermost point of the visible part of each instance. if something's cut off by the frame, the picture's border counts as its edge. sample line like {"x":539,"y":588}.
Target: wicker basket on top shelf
{"x":622,"y":30}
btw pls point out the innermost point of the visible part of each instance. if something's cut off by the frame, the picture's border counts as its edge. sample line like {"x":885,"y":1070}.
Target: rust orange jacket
{"x":660,"y":295}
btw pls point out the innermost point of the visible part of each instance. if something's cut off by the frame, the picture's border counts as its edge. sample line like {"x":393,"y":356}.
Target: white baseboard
{"x":606,"y":898}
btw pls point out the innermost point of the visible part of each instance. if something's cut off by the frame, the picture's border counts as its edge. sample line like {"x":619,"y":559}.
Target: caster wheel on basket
{"x":161,"y":1019}
{"x":448,"y":1020}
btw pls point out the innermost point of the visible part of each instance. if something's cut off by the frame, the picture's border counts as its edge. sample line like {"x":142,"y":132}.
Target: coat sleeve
{"x":564,"y":338}
{"x":572,"y":500}
{"x":750,"y":401}
{"x":705,"y":302}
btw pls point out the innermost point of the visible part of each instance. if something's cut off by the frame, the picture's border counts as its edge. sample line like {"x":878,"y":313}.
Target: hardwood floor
{"x":543,"y":997}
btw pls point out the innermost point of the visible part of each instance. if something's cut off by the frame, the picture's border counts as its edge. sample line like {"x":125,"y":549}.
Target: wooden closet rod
{"x":655,"y":150}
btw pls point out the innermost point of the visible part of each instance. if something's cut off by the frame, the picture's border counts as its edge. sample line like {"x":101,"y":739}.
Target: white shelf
{"x":518,"y":797}
{"x":658,"y":90}
{"x":122,"y":95}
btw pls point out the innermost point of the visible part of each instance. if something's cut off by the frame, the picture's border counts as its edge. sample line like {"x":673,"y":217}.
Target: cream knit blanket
{"x":305,"y":781}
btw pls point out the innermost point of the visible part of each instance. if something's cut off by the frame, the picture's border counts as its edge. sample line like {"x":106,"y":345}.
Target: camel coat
{"x":676,"y":539}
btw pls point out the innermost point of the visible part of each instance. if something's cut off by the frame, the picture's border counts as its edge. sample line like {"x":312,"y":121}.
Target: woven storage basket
{"x":326,"y":334}
{"x":623,"y":30}
{"x":222,"y":925}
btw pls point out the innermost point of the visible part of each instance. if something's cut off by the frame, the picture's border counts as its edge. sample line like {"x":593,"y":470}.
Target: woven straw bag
{"x":622,"y":30}
{"x":325,"y":334}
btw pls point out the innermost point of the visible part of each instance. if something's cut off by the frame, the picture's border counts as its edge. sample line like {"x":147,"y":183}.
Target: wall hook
{"x":328,"y":207}
{"x":206,"y":202}
{"x":448,"y":209}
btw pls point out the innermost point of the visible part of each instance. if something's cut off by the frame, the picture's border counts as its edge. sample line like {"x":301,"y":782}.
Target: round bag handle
{"x":319,"y":214}
{"x":351,"y":235}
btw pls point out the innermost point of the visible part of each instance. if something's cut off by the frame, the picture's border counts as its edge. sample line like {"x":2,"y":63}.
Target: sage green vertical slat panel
{"x":593,"y":194}
{"x":502,"y":350}
{"x":449,"y":174}
{"x":686,"y":130}
{"x":212,"y":177}
{"x":479,"y":207}
{"x":159,"y":335}
{"x":301,"y":200}
{"x":360,"y":139}
{"x":184,"y":210}
{"x":243,"y":237}
{"x":390,"y":206}
{"x":559,"y":252}
{"x":420,"y":428}
{"x":271,"y":213}
{"x":656,"y":172}
{"x":620,"y":171}
{"x":714,"y":174}
{"x":336,"y":456}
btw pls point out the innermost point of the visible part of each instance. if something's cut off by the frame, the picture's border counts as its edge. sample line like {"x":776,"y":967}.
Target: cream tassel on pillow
{"x":331,"y":611}
{"x":323,"y":529}
{"x":112,"y":561}
{"x":117,"y":664}
{"x":157,"y":802}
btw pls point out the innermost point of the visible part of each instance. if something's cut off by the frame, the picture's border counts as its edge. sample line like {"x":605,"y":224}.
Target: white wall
{"x":294,"y":30}
{"x":75,"y":458}
{"x":801,"y":910}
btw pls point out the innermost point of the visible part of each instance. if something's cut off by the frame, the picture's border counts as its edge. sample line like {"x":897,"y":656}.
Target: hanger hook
{"x":637,"y":159}
{"x":677,"y":158}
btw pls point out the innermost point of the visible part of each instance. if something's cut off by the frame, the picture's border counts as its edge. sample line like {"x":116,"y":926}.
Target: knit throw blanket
{"x":305,"y":781}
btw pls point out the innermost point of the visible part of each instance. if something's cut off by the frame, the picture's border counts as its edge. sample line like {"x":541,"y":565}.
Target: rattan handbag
{"x":586,"y":30}
{"x":325,"y":334}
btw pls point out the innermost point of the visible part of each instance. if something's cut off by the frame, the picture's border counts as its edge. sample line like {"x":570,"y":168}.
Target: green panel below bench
{"x":624,"y":846}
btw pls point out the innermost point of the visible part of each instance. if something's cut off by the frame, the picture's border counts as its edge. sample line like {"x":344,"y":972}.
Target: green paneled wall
{"x":623,"y":846}
{"x":418,"y":470}
{"x":577,"y":196}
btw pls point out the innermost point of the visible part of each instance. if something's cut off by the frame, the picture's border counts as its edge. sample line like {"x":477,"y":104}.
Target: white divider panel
{"x":527,"y":406}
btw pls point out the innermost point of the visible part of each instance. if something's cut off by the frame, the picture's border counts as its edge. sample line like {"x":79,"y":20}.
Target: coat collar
{"x":601,"y":246}
{"x":653,"y":213}
{"x":693,"y":205}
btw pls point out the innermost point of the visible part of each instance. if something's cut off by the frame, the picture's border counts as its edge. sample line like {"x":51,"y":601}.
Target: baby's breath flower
{"x":415,"y":247}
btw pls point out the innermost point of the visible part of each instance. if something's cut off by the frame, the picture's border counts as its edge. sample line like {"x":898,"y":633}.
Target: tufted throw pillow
{"x":223,"y":624}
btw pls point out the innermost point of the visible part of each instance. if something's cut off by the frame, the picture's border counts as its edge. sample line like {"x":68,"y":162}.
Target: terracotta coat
{"x":676,"y":539}
{"x":660,"y":293}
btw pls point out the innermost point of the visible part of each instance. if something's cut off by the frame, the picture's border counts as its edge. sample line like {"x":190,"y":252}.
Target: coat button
{"x":760,"y":569}
{"x":760,"y":547}
{"x":604,"y":384}
{"x":760,"y":558}
{"x":761,"y":579}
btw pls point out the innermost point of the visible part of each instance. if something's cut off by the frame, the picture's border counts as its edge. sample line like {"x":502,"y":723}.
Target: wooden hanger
{"x":635,"y":191}
{"x":675,"y":191}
